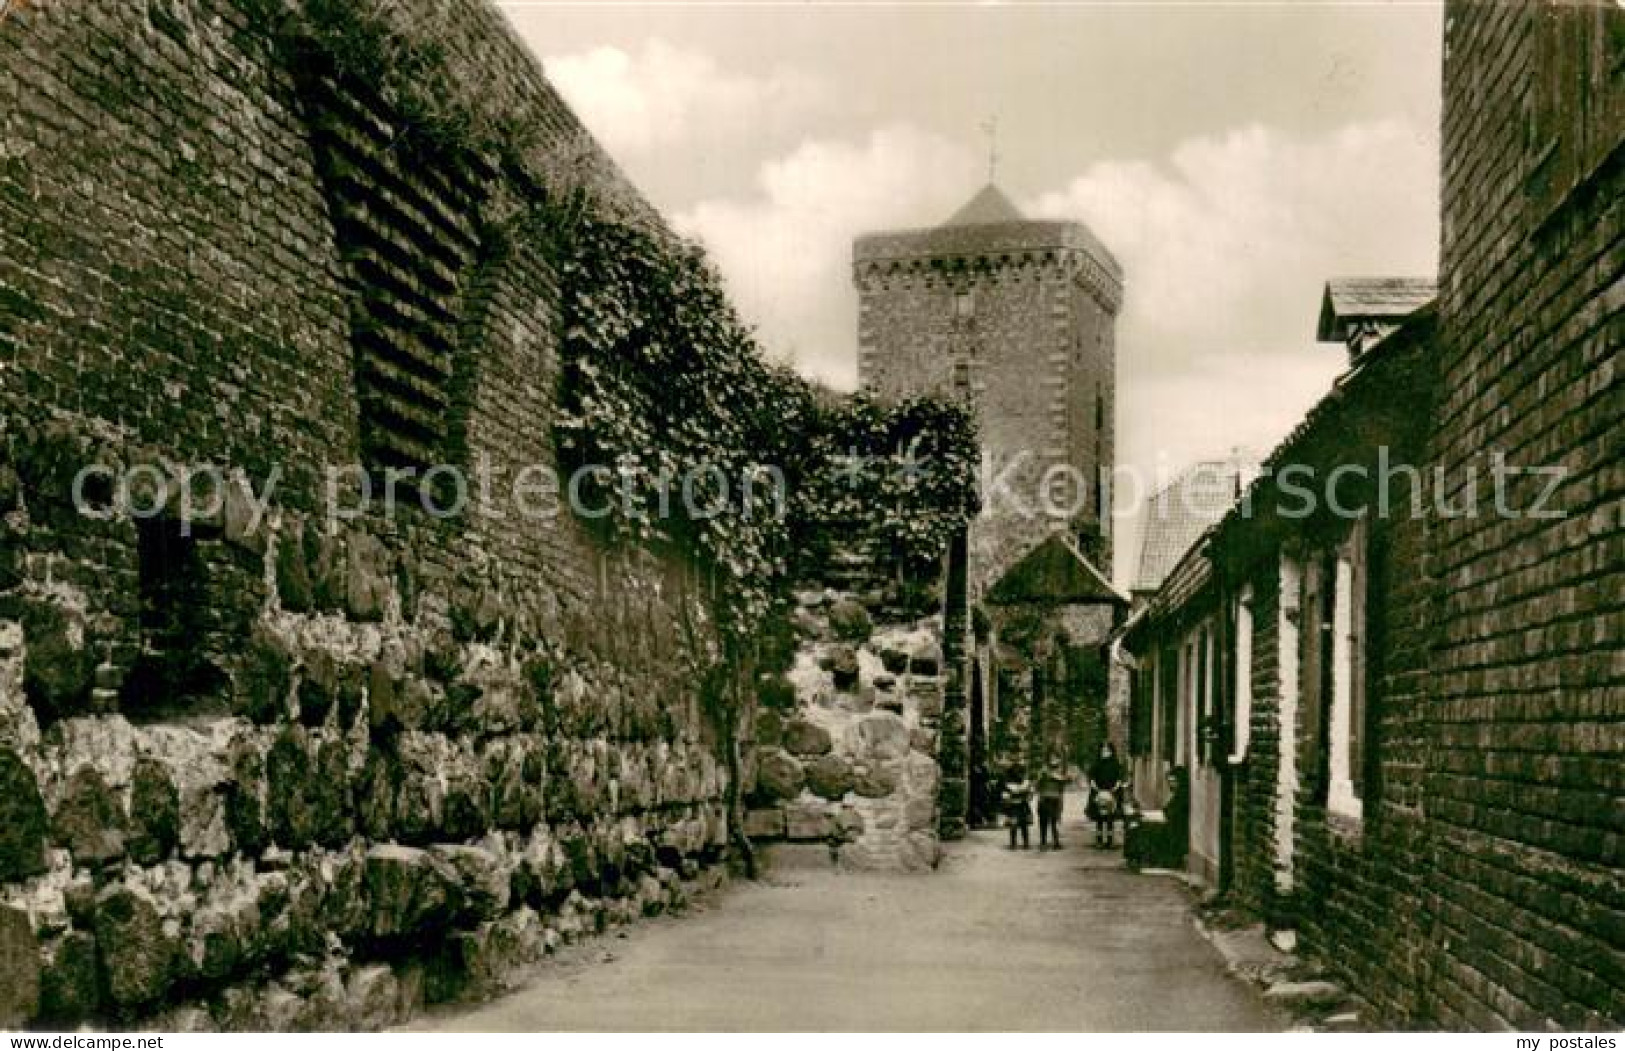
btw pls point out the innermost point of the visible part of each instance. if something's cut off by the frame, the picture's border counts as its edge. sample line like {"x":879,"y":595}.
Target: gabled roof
{"x":1054,"y":573}
{"x":990,"y":205}
{"x":1370,"y":298}
{"x":1183,"y":510}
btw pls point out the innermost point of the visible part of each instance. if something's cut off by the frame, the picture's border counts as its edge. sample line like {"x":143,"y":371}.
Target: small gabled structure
{"x":1055,"y":573}
{"x":1056,"y":612}
{"x":1360,"y":312}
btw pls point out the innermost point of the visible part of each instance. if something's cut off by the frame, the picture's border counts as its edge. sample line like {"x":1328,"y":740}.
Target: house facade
{"x":1170,"y":653}
{"x":1323,"y":618}
{"x":1419,"y":606}
{"x":1174,"y":770}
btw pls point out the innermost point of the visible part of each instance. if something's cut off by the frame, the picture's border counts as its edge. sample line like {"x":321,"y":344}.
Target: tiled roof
{"x":1054,"y":572}
{"x":1185,"y":582}
{"x":990,"y":205}
{"x":1182,"y":511}
{"x":1350,"y":298}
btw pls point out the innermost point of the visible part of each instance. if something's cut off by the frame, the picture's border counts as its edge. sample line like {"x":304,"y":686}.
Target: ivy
{"x":414,"y":56}
{"x":663,"y":384}
{"x":400,"y":51}
{"x":896,"y":477}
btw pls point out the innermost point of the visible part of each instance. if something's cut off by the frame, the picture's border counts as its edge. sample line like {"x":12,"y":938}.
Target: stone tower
{"x":1017,"y":316}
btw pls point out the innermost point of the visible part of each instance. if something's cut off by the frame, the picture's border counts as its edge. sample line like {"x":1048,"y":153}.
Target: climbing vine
{"x":668,"y":404}
{"x":679,"y":429}
{"x":897,"y":477}
{"x":402,"y":51}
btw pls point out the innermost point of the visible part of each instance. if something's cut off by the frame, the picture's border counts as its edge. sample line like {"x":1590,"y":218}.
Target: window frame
{"x":1346,"y":725}
{"x":1245,"y":629}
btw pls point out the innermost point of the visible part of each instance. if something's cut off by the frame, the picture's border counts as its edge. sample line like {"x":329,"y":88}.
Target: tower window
{"x":965,"y":304}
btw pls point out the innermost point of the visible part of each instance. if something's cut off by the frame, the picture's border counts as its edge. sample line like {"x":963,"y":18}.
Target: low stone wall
{"x":850,"y":760}
{"x":404,"y":786}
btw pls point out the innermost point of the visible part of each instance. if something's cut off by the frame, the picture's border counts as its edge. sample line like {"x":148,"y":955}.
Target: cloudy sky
{"x":1232,"y":155}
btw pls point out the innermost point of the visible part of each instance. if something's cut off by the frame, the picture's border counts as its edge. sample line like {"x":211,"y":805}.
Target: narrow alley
{"x":477,"y":474}
{"x":994,"y":940}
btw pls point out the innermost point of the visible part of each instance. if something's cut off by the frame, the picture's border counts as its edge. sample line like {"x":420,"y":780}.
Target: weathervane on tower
{"x":990,"y":127}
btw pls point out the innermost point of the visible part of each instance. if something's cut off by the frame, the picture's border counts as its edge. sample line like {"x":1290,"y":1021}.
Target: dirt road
{"x":996,"y":939}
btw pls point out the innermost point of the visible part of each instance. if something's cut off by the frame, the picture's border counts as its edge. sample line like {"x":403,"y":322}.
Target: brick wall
{"x":1527,"y":691}
{"x":310,"y":770}
{"x":1254,"y":881}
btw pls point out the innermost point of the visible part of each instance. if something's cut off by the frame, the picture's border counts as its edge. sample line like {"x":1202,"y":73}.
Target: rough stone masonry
{"x":849,"y":755}
{"x":296,"y":770}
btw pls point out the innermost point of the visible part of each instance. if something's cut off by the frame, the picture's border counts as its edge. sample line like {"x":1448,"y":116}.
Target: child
{"x":1017,"y":800}
{"x":1051,"y":789}
{"x":1105,"y":784}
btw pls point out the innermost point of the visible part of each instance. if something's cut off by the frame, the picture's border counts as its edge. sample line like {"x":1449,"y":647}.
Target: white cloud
{"x":638,"y":102}
{"x":786,"y":252}
{"x":1225,"y":247}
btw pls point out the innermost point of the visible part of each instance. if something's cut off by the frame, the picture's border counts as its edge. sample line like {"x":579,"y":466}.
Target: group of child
{"x":1016,"y":800}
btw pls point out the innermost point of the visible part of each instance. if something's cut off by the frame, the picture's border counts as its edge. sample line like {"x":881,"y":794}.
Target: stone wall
{"x":307,"y":767}
{"x":847,"y":757}
{"x":1527,"y":689}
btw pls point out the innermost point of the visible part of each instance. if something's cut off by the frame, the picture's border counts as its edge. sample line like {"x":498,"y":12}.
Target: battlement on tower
{"x":990,"y":236}
{"x":982,"y":241}
{"x":1016,"y":317}
{"x":950,"y":251}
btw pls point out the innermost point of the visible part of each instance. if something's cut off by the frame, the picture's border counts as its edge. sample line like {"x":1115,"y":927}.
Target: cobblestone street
{"x":995,"y":940}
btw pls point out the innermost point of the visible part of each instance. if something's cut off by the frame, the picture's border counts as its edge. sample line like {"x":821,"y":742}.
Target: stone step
{"x":792,"y":857}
